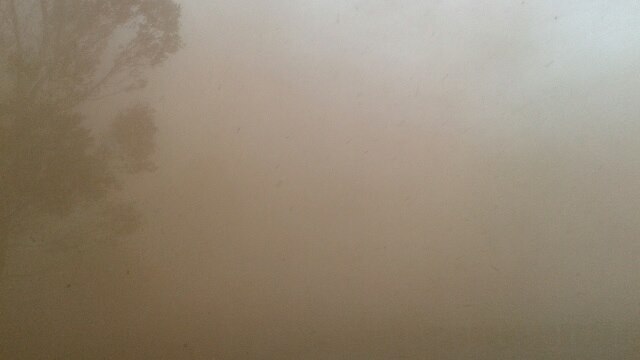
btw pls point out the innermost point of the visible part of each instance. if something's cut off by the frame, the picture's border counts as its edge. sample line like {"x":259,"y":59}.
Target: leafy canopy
{"x":55,"y":55}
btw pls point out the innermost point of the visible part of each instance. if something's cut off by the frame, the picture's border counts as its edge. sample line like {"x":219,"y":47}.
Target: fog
{"x":356,"y":180}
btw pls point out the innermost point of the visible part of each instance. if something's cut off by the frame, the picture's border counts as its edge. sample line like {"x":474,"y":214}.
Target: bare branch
{"x":15,"y":22}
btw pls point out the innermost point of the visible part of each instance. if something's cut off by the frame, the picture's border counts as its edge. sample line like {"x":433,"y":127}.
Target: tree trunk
{"x":4,"y":241}
{"x":4,"y":245}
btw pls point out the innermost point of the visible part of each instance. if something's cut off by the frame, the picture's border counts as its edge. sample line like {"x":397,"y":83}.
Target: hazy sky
{"x":479,"y":159}
{"x":492,"y":134}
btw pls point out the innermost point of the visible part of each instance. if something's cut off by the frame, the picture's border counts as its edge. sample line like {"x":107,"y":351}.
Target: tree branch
{"x":13,"y":13}
{"x":42,"y":51}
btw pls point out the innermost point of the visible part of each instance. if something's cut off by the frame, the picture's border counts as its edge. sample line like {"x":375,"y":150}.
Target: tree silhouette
{"x":55,"y":55}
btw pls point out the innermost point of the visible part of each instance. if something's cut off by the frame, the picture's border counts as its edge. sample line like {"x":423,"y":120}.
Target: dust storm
{"x":336,"y":180}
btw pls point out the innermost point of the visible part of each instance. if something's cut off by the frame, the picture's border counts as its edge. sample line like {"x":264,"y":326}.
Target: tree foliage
{"x":55,"y":55}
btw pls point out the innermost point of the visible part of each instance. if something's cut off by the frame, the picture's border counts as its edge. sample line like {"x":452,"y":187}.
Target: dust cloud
{"x":365,"y":180}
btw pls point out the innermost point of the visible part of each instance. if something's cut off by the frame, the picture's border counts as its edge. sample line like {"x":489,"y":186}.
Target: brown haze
{"x":362,"y":180}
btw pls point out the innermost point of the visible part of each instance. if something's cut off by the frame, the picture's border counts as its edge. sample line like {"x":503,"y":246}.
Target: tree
{"x":55,"y":55}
